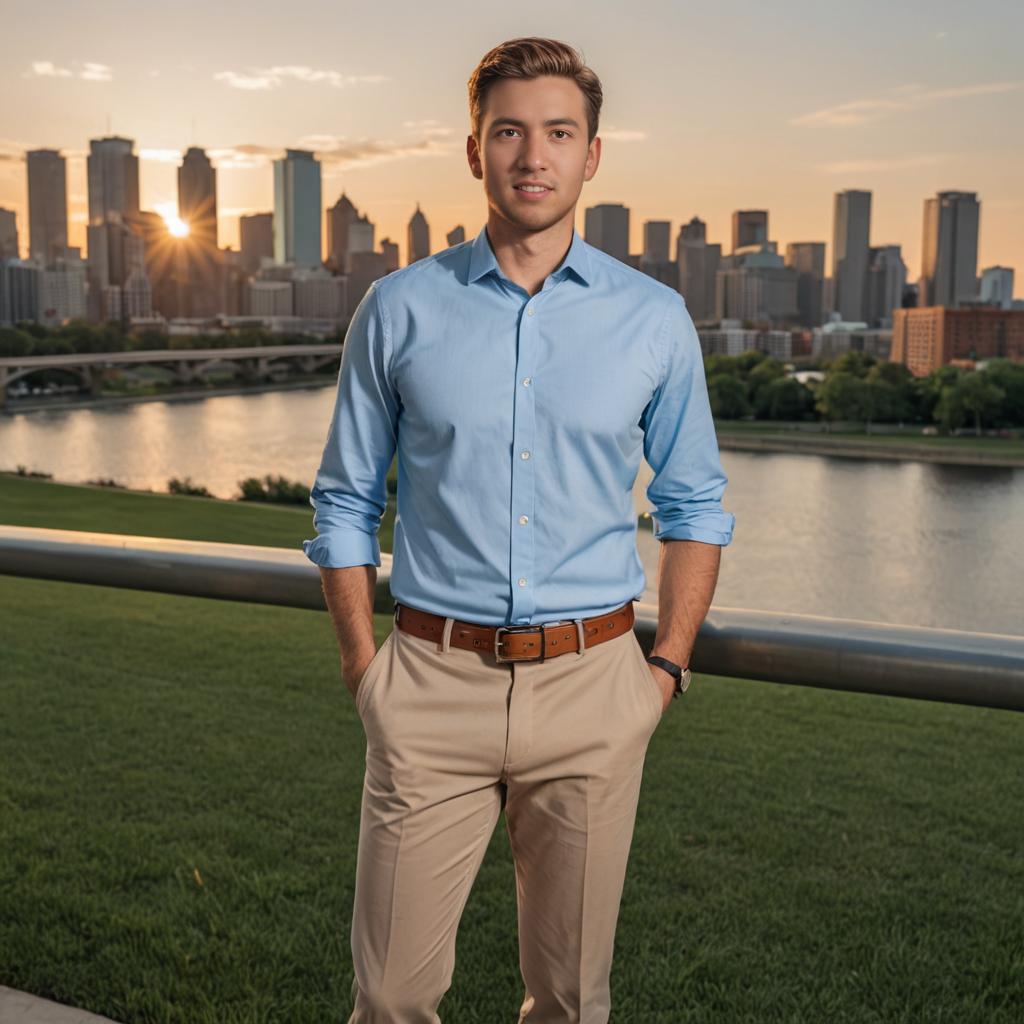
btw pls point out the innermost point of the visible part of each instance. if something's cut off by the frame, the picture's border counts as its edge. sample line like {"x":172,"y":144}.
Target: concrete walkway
{"x":22,"y":1008}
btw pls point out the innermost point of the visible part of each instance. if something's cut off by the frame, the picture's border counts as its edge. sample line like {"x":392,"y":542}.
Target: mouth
{"x":533,"y":192}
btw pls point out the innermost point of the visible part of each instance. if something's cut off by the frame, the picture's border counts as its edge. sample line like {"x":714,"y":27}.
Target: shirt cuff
{"x":710,"y":528}
{"x":338,"y":549}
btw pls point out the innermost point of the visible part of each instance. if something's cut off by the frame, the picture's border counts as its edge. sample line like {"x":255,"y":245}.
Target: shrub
{"x":274,"y":489}
{"x":176,"y":486}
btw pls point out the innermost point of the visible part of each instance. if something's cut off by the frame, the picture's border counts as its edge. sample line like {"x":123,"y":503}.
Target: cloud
{"x":47,"y":69}
{"x":13,"y":152}
{"x":906,"y":97}
{"x":244,"y":156}
{"x":622,"y":135}
{"x":87,"y":71}
{"x":341,"y":151}
{"x":428,"y":126}
{"x":273,"y":78}
{"x":92,"y":72}
{"x":885,"y":164}
{"x":333,"y":151}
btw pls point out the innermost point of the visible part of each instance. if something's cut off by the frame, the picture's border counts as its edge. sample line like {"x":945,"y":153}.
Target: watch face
{"x":684,"y":682}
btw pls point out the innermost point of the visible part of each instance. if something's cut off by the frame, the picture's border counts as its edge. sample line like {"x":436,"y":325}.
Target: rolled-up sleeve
{"x":680,"y":443}
{"x":349,"y":495}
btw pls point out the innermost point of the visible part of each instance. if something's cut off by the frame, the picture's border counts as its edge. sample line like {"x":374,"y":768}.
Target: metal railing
{"x":985,"y":669}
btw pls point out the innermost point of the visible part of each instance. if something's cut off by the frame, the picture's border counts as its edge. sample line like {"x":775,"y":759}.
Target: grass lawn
{"x":28,"y":501}
{"x":179,"y":805}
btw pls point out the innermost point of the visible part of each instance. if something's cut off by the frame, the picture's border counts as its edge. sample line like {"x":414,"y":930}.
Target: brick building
{"x":924,"y":339}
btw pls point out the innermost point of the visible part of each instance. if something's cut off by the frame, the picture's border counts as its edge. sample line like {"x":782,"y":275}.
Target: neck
{"x":527,"y":257}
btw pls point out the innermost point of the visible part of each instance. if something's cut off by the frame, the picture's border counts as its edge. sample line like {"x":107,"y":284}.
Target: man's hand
{"x":667,"y":683}
{"x":688,"y":572}
{"x":352,"y":672}
{"x":348,"y":593}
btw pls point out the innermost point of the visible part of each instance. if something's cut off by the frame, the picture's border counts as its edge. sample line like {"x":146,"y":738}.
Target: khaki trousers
{"x":452,"y":737}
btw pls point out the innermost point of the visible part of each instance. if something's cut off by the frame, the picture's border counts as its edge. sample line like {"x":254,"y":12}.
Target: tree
{"x":766,"y":371}
{"x":980,"y":398}
{"x":844,"y":396}
{"x":718,"y":363}
{"x":784,"y":399}
{"x":856,"y":363}
{"x":728,"y":397}
{"x":1009,"y":376}
{"x":14,"y":342}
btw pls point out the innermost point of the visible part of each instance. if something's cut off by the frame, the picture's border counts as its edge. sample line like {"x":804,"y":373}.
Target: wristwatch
{"x":681,"y":675}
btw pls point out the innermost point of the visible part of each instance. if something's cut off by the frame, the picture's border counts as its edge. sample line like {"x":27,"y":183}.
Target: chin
{"x":533,"y":219}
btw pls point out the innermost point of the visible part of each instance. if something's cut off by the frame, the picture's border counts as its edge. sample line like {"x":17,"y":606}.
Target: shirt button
{"x":522,"y":581}
{"x":524,"y":455}
{"x":529,"y":311}
{"x":526,"y":381}
{"x":524,"y":519}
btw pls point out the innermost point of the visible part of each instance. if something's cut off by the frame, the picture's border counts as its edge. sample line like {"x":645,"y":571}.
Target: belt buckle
{"x":519,"y":629}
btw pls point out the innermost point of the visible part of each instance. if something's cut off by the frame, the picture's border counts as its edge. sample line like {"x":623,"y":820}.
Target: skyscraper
{"x":698,"y":264}
{"x":197,"y":197}
{"x":339,"y":218}
{"x":256,"y":240}
{"x":851,"y":228}
{"x":456,"y":235}
{"x":197,"y":207}
{"x":606,"y":226}
{"x":756,"y":285}
{"x":749,"y":227}
{"x":297,"y":209}
{"x":949,"y":253}
{"x":997,"y":286}
{"x":362,"y":233}
{"x":808,"y":260}
{"x":886,"y":278}
{"x":654,"y":260}
{"x":389,"y":250}
{"x":113,"y":172}
{"x":418,"y":237}
{"x":657,"y":236}
{"x":8,"y":235}
{"x":47,"y":206}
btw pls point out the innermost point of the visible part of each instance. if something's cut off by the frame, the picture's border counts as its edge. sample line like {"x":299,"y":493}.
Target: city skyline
{"x":392,"y":133}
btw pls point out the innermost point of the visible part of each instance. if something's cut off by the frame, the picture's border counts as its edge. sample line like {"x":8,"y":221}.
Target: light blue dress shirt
{"x":519,"y":423}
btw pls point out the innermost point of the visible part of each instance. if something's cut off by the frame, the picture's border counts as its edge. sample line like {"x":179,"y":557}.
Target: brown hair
{"x":531,"y":57}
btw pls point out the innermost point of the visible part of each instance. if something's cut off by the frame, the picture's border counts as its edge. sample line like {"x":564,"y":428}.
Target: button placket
{"x":521,"y":564}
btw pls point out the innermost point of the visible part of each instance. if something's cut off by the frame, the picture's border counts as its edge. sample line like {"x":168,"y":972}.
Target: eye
{"x":563,"y":131}
{"x":506,"y":130}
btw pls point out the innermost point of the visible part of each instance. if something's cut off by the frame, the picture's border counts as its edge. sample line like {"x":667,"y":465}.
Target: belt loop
{"x":580,"y":637}
{"x":446,"y":635}
{"x":394,"y":617}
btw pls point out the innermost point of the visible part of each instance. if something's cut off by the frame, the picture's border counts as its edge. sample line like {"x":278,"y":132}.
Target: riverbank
{"x":15,"y":406}
{"x":951,"y":451}
{"x":733,"y":435}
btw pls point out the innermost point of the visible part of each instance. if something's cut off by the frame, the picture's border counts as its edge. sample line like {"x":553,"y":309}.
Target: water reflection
{"x":916,"y":543}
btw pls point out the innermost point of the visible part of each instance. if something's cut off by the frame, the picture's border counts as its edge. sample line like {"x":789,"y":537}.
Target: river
{"x":900,"y":542}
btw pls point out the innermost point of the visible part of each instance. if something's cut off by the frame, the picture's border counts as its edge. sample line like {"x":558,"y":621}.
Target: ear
{"x":473,"y":156}
{"x":593,"y":158}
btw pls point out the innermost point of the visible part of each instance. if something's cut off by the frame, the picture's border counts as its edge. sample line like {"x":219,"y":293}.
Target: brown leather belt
{"x":517,"y":643}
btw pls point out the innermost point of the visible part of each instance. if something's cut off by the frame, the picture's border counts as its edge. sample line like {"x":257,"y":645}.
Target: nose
{"x":531,"y":155}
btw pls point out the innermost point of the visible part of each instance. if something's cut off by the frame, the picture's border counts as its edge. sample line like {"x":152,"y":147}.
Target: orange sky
{"x":741,"y":106}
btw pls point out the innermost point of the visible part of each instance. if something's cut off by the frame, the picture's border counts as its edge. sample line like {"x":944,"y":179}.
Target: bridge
{"x":187,"y":365}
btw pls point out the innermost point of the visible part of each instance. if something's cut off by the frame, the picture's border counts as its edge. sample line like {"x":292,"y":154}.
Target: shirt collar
{"x":482,"y":259}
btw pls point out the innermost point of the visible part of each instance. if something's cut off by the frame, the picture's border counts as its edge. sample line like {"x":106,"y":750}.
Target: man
{"x":519,"y":376}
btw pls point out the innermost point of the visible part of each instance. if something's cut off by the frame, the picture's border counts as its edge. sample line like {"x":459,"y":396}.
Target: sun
{"x":175,"y":225}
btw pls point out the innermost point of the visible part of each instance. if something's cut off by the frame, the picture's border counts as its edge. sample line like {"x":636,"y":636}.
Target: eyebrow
{"x":547,"y":124}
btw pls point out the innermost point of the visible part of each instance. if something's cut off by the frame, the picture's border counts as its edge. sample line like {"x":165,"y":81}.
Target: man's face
{"x":534,"y":131}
